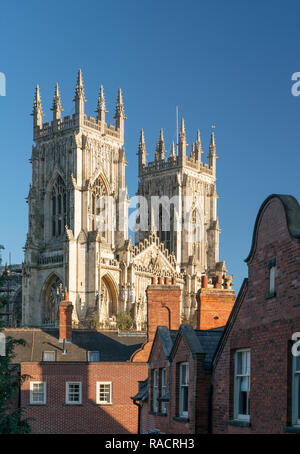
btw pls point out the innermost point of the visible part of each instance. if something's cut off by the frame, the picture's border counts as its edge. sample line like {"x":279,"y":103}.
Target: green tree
{"x":11,"y":419}
{"x":124,"y":321}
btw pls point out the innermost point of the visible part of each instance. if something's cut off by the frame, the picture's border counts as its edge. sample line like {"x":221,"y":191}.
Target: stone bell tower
{"x":192,"y":182}
{"x":75,"y":161}
{"x":192,"y":228}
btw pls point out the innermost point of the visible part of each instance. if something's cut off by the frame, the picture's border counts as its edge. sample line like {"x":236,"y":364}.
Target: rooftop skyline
{"x":228,"y":65}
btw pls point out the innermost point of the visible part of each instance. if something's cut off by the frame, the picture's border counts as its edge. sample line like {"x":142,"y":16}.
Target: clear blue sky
{"x":227,"y":63}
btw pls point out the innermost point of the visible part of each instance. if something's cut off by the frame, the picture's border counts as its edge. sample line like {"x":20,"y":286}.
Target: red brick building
{"x":176,"y":396}
{"x":87,"y":388}
{"x":256,"y":378}
{"x":82,"y":381}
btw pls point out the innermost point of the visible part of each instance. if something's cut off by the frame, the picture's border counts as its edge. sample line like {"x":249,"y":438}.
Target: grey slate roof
{"x":201,"y":342}
{"x":209,"y":340}
{"x":142,"y":394}
{"x":112,"y":348}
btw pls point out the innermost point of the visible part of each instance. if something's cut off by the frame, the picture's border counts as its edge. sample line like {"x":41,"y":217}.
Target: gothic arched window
{"x":98,"y":190}
{"x":59,"y":208}
{"x":108,"y":297}
{"x":164,"y":226}
{"x":196,"y":233}
{"x":52,"y":295}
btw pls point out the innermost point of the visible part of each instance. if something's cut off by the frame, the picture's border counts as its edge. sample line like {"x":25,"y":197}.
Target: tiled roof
{"x":112,"y":348}
{"x":209,"y":340}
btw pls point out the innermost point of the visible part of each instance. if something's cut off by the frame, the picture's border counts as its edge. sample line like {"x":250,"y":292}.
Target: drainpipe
{"x":139,"y":415}
{"x":210,"y":399}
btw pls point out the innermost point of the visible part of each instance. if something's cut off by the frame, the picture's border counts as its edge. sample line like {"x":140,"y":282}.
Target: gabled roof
{"x":188,"y":332}
{"x":166,"y":337}
{"x":292,"y":213}
{"x":203,"y":342}
{"x":112,"y":348}
{"x":209,"y":340}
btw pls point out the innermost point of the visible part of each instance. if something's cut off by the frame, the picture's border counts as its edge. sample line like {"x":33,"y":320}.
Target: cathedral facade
{"x":77,"y":163}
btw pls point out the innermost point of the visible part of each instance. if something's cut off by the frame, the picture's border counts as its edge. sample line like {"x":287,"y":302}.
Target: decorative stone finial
{"x":160,"y":147}
{"x":56,"y":106}
{"x":173,"y":153}
{"x":120,"y":113}
{"x":37,"y":111}
{"x":79,"y":95}
{"x":142,"y":152}
{"x":101,"y":108}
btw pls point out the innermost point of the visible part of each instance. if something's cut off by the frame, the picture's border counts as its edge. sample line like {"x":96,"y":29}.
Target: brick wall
{"x":265,"y":325}
{"x":198,"y":394}
{"x":163,"y":309}
{"x":214,"y":307}
{"x":58,"y":417}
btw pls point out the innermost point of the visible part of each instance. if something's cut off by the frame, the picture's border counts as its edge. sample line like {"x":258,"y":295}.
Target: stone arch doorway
{"x":108,"y":295}
{"x":51,"y":296}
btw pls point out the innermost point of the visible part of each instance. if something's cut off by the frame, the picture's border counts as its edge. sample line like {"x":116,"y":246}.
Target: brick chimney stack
{"x":65,"y":319}
{"x":163,"y":309}
{"x":214,"y":305}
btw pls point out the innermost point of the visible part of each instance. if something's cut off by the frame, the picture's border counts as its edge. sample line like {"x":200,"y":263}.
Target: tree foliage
{"x":124,"y":321}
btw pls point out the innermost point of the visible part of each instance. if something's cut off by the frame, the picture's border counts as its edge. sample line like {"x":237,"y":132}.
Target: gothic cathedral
{"x":78,"y":160}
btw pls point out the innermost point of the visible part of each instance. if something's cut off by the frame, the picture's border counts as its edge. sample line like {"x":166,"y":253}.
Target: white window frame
{"x":49,"y":360}
{"x":71,"y":402}
{"x":104,"y":402}
{"x":182,"y":385}
{"x":32,"y":401}
{"x":155,"y":391}
{"x":163,"y":388}
{"x":295,"y":392}
{"x":237,"y":378}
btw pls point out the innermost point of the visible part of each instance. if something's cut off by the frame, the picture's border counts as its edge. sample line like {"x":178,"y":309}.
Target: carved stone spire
{"x":142,"y":152}
{"x":37,"y":111}
{"x":182,"y":128}
{"x":120,"y":114}
{"x":193,"y":154}
{"x":212,"y":151}
{"x":173,"y":153}
{"x":101,"y":108}
{"x":56,"y":106}
{"x":182,"y":143}
{"x":160,"y":147}
{"x":79,"y":95}
{"x":198,"y":147}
